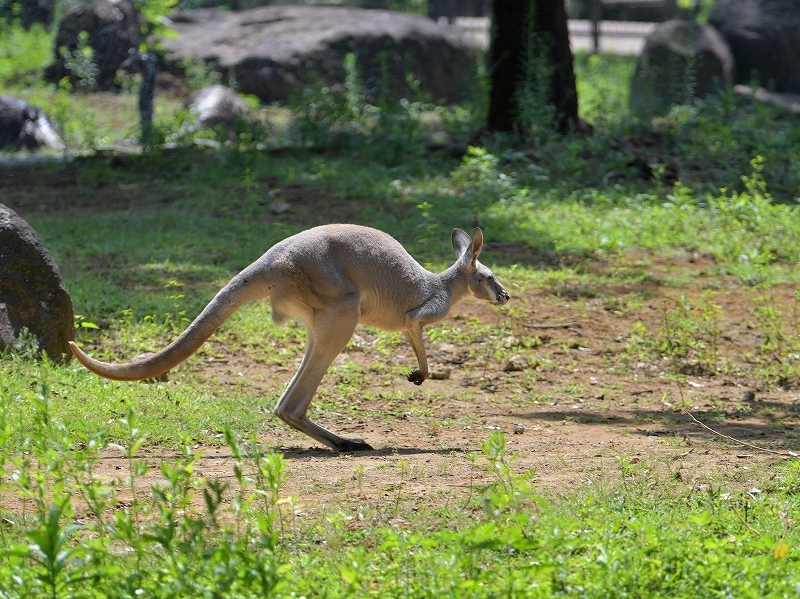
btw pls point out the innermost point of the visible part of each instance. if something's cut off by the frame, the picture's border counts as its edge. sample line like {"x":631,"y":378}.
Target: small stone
{"x":279,"y":207}
{"x":516,"y":363}
{"x":440,"y":373}
{"x":749,"y":396}
{"x":519,"y":429}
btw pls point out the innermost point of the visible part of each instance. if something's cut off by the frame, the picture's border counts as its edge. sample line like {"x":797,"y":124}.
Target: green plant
{"x":372,"y":123}
{"x":603,"y":86}
{"x":23,"y":53}
{"x":199,"y":74}
{"x":80,"y":62}
{"x":779,"y":355}
{"x":687,"y":340}
{"x":690,"y":335}
{"x":533,"y":93}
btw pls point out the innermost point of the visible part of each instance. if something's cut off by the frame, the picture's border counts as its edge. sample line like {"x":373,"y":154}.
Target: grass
{"x":636,"y":531}
{"x":144,"y":241}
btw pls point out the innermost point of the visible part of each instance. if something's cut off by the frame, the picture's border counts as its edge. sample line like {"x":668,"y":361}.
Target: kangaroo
{"x":332,"y":278}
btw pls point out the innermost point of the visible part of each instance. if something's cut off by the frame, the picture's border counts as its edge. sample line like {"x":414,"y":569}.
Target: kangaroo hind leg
{"x":328,"y":333}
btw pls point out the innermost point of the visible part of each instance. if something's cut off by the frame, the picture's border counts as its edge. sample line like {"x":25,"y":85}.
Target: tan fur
{"x":332,"y":278}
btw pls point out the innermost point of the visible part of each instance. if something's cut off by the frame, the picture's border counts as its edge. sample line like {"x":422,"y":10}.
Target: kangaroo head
{"x":481,"y":281}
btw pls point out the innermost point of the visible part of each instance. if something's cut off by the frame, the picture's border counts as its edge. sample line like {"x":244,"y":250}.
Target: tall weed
{"x":778,"y":360}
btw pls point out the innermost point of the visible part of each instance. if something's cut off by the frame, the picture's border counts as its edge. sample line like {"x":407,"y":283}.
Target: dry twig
{"x":786,"y":454}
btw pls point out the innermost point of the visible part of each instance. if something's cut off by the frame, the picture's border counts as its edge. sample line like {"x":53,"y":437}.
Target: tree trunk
{"x":516,"y":24}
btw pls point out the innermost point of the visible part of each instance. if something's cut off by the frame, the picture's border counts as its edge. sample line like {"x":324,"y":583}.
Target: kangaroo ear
{"x":477,"y":244}
{"x":461,"y":242}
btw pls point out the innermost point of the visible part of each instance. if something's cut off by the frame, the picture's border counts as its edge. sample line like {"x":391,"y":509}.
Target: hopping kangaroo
{"x":332,"y":278}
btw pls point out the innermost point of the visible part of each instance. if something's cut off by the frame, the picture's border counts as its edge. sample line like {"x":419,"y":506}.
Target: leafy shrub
{"x":23,"y":53}
{"x":377,"y":124}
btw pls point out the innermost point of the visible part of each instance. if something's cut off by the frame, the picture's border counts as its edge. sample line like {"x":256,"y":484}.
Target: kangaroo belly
{"x":382,"y":316}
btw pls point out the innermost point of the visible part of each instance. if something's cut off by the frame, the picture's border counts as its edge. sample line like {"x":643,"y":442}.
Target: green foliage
{"x":741,"y":229}
{"x":374,"y":124}
{"x":23,"y":53}
{"x":687,"y":342}
{"x":199,"y":74}
{"x":163,"y":545}
{"x":537,"y":114}
{"x":778,"y":360}
{"x":153,"y":20}
{"x":734,"y":132}
{"x":80,"y":62}
{"x":660,"y":85}
{"x":603,"y":87}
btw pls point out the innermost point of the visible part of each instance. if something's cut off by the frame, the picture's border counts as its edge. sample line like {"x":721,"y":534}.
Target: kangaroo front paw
{"x":416,"y":377}
{"x":347,"y":445}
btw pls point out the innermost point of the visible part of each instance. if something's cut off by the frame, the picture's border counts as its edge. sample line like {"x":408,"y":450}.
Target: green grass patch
{"x":72,"y":535}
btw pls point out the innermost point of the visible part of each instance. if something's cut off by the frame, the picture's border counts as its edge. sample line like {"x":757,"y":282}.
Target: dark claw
{"x":349,"y":445}
{"x":416,"y":377}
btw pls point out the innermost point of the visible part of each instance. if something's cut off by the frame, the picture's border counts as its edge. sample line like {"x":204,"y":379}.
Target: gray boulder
{"x":764,"y":36}
{"x":681,"y":60}
{"x":113,"y":33}
{"x":215,"y":105}
{"x":32,"y":289}
{"x":7,"y":337}
{"x":25,"y":126}
{"x":275,"y":51}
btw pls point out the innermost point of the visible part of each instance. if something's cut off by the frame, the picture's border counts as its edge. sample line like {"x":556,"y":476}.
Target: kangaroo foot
{"x":348,"y":445}
{"x":416,"y":377}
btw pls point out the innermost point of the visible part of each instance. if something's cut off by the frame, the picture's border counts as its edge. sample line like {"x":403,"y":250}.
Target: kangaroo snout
{"x":502,"y":297}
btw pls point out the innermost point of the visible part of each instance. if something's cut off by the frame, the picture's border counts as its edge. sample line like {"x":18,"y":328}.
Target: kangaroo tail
{"x":243,"y":288}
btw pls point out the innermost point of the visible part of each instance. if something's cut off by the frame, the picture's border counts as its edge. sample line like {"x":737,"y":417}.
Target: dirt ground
{"x":580,"y":405}
{"x":568,"y":420}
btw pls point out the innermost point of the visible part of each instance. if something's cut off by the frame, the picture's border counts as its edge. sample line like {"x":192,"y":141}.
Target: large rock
{"x":7,"y":337}
{"x":24,"y":125}
{"x":31,"y":287}
{"x":681,"y":60}
{"x":275,"y":51}
{"x":112,"y":33}
{"x":764,"y":36}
